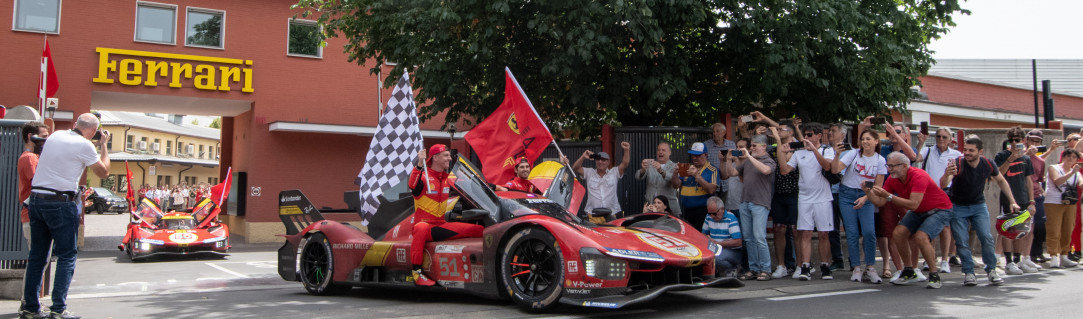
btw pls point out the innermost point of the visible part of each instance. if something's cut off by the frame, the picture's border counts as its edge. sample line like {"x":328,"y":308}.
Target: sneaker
{"x":921,"y":276}
{"x":1013,"y":269}
{"x":805,"y":274}
{"x":924,"y":266}
{"x":780,"y":272}
{"x":908,"y":276}
{"x":994,"y":278}
{"x":1030,"y":263}
{"x":857,"y":274}
{"x":970,"y":280}
{"x":826,"y":272}
{"x":1075,"y":256}
{"x":1027,"y":268}
{"x":1054,"y":262}
{"x":27,"y":314}
{"x":1067,"y":262}
{"x":895,"y":276}
{"x":797,"y":272}
{"x":944,"y":267}
{"x":837,"y":265}
{"x":872,"y":276}
{"x":934,"y":281}
{"x":421,"y":280}
{"x":63,"y":315}
{"x":954,"y":261}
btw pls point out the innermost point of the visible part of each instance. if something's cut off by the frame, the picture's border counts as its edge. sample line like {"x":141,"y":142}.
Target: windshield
{"x":179,"y":223}
{"x":512,"y":208}
{"x":471,"y":185}
{"x":103,"y":191}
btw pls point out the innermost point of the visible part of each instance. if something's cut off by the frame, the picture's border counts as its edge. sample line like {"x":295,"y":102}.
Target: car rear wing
{"x":296,"y":211}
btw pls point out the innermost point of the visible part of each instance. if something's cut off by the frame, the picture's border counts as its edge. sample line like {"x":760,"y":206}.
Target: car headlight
{"x":144,"y":246}
{"x":598,"y":265}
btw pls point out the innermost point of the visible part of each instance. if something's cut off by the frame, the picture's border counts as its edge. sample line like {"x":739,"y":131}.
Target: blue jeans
{"x":728,"y":260}
{"x":976,"y":217}
{"x":753,"y":221}
{"x":55,"y":225}
{"x":863,"y":220}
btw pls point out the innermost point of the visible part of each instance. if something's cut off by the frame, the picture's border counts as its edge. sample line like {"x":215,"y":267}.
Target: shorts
{"x":887,"y":219}
{"x":784,"y":209}
{"x":816,"y":216}
{"x":930,"y":223}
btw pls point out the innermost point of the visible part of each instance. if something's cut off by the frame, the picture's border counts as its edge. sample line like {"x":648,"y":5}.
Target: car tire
{"x":317,"y":267}
{"x":531,"y":269}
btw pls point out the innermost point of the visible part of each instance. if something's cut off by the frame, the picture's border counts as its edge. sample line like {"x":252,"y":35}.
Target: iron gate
{"x":13,"y":250}
{"x":644,"y":140}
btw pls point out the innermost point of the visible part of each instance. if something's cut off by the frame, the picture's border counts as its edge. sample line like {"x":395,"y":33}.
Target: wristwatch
{"x":890,"y":197}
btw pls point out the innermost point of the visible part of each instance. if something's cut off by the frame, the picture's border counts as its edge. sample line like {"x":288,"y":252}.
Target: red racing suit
{"x":430,"y":204}
{"x":521,"y":184}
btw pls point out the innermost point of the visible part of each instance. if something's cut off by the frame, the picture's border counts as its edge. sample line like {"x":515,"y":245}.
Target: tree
{"x":216,"y":123}
{"x":208,"y":32}
{"x":647,"y":62}
{"x":195,"y":122}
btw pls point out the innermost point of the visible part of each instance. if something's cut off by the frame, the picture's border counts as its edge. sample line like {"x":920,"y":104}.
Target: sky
{"x":1014,"y":29}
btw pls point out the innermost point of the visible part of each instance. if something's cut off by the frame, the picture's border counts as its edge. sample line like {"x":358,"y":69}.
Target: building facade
{"x":295,"y":115}
{"x":159,"y":151}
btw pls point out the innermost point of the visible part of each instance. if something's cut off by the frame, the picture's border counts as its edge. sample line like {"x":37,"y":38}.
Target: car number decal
{"x":670,"y":244}
{"x":183,"y":238}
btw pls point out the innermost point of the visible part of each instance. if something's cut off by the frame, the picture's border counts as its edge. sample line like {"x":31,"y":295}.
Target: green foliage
{"x":646,"y":62}
{"x":305,"y":39}
{"x":208,"y":32}
{"x":216,"y":123}
{"x":195,"y":122}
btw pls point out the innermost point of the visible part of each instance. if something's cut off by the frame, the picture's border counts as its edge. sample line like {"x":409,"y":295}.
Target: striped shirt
{"x":724,"y":229}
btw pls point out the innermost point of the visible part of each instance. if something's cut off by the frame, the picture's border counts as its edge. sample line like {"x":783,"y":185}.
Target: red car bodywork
{"x":152,"y":232}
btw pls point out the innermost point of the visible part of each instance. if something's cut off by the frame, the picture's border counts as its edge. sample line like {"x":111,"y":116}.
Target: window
{"x":201,"y":153}
{"x":304,"y":39}
{"x":109,"y":144}
{"x":168,"y":147}
{"x":128,"y":143}
{"x":211,"y":155}
{"x":37,"y":16}
{"x":155,"y":22}
{"x":206,"y":28}
{"x":180,"y":148}
{"x":156,"y":146}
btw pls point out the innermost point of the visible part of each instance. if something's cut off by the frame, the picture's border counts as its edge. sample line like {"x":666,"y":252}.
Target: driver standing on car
{"x":430,"y":203}
{"x":520,"y":181}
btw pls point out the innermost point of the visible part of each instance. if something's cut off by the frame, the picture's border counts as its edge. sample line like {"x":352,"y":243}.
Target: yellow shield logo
{"x":513,"y":124}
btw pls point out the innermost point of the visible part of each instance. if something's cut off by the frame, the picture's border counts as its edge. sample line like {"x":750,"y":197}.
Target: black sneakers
{"x":934,"y":281}
{"x":908,"y":276}
{"x":806,"y":273}
{"x":825,"y":272}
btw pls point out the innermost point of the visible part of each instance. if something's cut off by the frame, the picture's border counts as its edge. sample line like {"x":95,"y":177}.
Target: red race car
{"x":152,"y":232}
{"x":532,"y":249}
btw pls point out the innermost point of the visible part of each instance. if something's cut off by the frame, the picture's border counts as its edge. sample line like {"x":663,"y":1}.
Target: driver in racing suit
{"x":520,"y":181}
{"x":430,"y":204}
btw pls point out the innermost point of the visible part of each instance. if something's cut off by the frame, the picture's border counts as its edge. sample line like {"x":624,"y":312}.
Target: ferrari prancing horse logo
{"x":513,"y":124}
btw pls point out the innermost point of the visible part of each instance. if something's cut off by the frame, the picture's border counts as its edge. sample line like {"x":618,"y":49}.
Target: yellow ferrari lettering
{"x":210,"y":73}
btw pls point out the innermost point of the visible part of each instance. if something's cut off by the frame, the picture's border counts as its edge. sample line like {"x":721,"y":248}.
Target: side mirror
{"x":601,"y":212}
{"x":468,"y":215}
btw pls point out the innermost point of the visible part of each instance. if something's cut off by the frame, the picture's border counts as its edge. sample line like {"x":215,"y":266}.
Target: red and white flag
{"x":47,"y":82}
{"x":514,"y":130}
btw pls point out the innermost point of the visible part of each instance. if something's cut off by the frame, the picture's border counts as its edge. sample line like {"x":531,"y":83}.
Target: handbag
{"x":832,"y":178}
{"x":1069,"y":195}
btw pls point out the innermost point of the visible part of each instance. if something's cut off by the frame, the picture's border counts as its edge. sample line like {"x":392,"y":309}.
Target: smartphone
{"x":1062,"y":141}
{"x":878,"y":120}
{"x":1020,"y":146}
{"x":846,"y":146}
{"x":746,"y":118}
{"x":1042,"y":148}
{"x":924,"y":128}
{"x":797,"y":145}
{"x":869,"y":184}
{"x":682,"y":169}
{"x":737,"y":153}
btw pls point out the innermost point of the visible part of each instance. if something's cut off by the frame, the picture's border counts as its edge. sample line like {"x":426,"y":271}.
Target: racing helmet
{"x":1015,"y":225}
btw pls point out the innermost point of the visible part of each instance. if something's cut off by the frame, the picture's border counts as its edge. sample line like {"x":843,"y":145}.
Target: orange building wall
{"x":992,"y":97}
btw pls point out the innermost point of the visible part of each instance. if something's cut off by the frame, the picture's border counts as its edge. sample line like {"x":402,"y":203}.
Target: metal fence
{"x":644,"y":141}
{"x":13,"y":249}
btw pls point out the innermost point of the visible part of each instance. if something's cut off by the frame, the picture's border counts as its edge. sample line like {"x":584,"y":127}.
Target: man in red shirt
{"x":928,"y":211}
{"x":430,"y":203}
{"x":28,"y":164}
{"x":520,"y":181}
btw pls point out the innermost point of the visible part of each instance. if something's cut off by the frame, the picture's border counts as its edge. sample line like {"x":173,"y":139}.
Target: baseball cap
{"x":697,"y":149}
{"x":1035,"y":133}
{"x":602,"y":155}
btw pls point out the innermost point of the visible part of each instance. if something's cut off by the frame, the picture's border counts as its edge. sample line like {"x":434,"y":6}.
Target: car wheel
{"x":318,"y":267}
{"x":531,"y":269}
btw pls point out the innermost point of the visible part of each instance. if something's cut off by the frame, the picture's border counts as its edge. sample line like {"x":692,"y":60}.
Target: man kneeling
{"x":929,"y":211}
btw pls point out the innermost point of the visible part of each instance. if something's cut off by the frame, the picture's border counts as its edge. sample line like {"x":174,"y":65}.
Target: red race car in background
{"x":532,"y":250}
{"x":152,"y":232}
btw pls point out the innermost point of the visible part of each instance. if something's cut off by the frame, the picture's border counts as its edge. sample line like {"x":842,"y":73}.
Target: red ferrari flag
{"x":47,"y":82}
{"x":131,"y":190}
{"x":220,"y":192}
{"x":514,"y":130}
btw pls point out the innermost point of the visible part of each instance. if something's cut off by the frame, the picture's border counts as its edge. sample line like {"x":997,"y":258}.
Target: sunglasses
{"x":898,"y":131}
{"x":809,"y":134}
{"x":944,"y":137}
{"x":1016,"y":139}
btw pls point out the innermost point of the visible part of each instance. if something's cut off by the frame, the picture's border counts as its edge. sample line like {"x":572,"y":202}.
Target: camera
{"x":846,"y":146}
{"x":39,"y":143}
{"x":797,"y":145}
{"x":746,"y":118}
{"x":878,"y":120}
{"x":737,"y":153}
{"x":1042,"y":148}
{"x":869,"y":184}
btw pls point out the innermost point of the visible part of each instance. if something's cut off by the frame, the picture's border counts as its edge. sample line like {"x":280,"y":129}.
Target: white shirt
{"x":1052,"y":191}
{"x":813,"y":186}
{"x":861,"y":168}
{"x":935,"y":162}
{"x":63,"y":158}
{"x":601,"y":190}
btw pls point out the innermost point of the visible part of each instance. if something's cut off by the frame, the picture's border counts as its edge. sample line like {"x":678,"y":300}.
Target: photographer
{"x":661,"y":175}
{"x":1017,"y":169}
{"x":54,"y":215}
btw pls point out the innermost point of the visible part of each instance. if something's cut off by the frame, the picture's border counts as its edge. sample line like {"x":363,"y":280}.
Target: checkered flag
{"x":393,"y":150}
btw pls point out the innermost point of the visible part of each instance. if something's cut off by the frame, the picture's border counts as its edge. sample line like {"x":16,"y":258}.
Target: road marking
{"x":179,"y":291}
{"x":223,"y":269}
{"x":609,"y":314}
{"x":826,"y":294}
